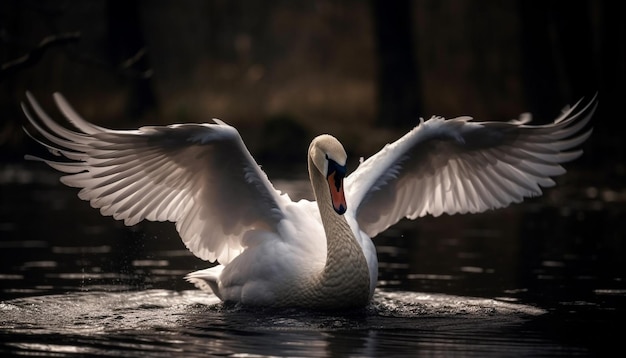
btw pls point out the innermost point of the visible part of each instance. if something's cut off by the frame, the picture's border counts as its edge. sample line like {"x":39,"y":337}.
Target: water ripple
{"x":155,"y":322}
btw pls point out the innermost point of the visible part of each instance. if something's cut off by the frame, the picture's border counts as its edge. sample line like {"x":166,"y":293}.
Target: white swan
{"x":276,"y":252}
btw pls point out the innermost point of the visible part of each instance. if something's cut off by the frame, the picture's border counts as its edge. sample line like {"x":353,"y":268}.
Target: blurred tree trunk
{"x":539,"y":73}
{"x":399,"y":96}
{"x":126,"y":41}
{"x":612,"y":92}
{"x":557,"y":60}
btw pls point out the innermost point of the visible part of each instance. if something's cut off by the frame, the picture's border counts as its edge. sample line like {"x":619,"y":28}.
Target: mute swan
{"x":272,"y":251}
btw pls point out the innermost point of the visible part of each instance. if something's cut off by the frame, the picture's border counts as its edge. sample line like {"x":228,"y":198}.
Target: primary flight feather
{"x":272,"y":251}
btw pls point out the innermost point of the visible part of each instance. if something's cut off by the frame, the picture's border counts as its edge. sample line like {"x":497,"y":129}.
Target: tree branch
{"x":32,"y":57}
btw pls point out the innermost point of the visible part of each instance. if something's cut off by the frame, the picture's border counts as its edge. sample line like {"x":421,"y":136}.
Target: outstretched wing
{"x":200,"y":176}
{"x":458,"y":166}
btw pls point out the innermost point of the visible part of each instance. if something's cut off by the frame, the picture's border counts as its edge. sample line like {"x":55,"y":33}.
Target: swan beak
{"x":335,"y":183}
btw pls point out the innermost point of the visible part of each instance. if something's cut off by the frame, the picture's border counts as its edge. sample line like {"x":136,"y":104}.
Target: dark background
{"x":365,"y":71}
{"x":285,"y":71}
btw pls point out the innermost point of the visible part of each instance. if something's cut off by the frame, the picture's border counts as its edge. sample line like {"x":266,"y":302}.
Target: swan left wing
{"x":459,"y":166}
{"x":200,"y":176}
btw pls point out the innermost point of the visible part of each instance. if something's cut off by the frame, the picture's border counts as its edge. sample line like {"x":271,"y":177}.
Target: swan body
{"x":272,"y":251}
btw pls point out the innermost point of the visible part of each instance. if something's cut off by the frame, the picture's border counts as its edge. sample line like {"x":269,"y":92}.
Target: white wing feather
{"x":200,"y":176}
{"x":458,"y":166}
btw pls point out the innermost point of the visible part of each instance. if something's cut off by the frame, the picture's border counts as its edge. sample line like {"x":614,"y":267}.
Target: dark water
{"x":543,"y":278}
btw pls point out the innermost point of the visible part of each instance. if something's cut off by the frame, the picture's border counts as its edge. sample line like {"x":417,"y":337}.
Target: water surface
{"x":544,"y":278}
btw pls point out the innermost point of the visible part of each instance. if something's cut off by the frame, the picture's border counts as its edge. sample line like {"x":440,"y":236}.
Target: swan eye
{"x":339,"y":172}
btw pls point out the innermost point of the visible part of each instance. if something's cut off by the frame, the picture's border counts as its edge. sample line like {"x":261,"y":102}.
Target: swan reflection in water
{"x":157,"y":323}
{"x":317,"y":254}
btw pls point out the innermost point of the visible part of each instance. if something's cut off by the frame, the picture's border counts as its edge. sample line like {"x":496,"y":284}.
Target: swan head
{"x":329,"y":158}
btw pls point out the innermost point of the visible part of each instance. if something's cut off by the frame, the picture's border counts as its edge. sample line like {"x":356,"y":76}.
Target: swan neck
{"x":346,"y":271}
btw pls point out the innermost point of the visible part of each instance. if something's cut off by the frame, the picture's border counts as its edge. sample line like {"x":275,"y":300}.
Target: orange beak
{"x":335,"y":183}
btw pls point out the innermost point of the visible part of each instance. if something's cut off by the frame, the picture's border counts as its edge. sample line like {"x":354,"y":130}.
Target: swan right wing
{"x":459,"y":166}
{"x":200,"y":176}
